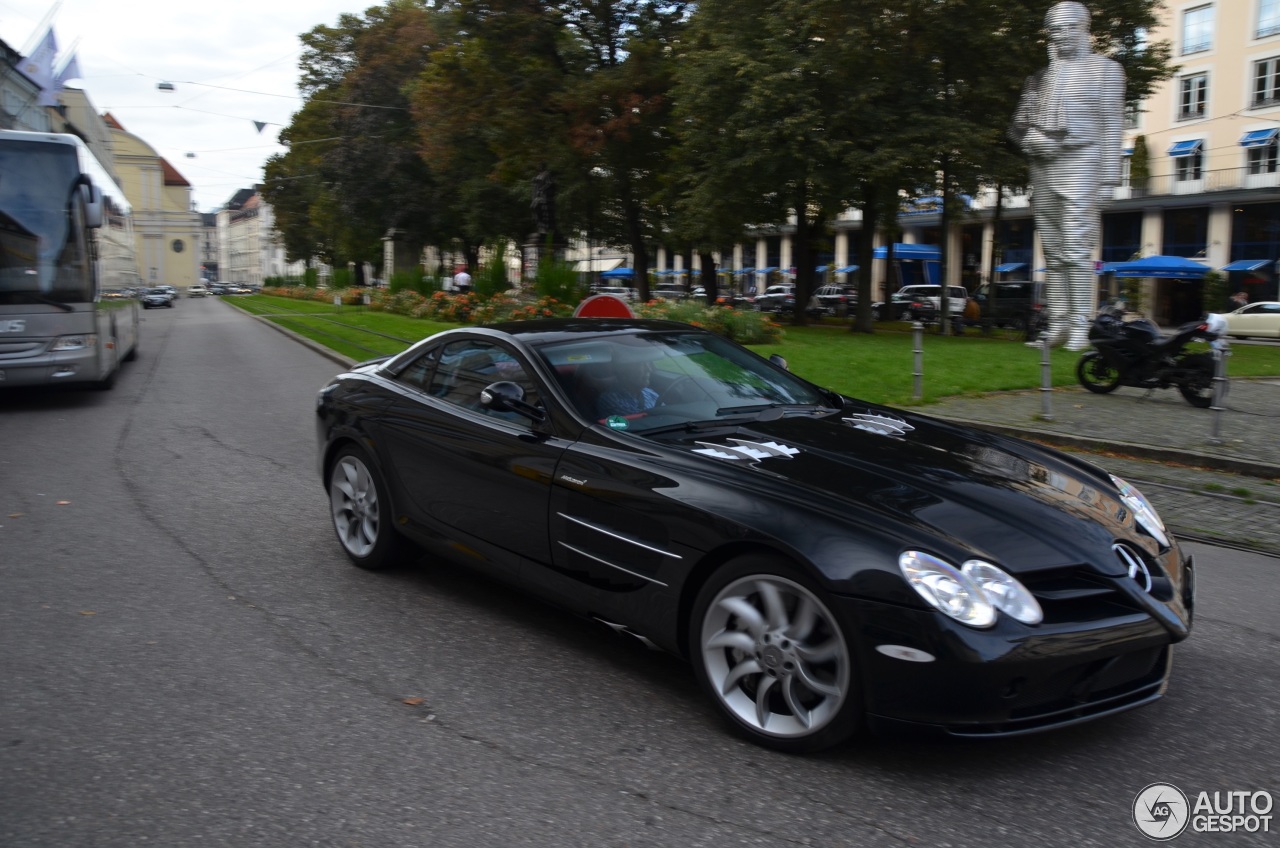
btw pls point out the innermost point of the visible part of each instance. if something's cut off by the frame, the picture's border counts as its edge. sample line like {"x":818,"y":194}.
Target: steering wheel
{"x":680,"y":390}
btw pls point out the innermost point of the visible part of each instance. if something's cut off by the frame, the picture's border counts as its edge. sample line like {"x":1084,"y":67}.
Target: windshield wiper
{"x":772,"y":411}
{"x":698,"y":426}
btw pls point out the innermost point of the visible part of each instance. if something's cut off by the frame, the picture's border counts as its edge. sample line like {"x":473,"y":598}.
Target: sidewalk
{"x":1222,"y":487}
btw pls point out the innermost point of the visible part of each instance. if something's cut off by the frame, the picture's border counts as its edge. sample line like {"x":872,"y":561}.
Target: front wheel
{"x":774,"y":656}
{"x":1095,"y":374}
{"x":361,"y":511}
{"x":1197,"y":389}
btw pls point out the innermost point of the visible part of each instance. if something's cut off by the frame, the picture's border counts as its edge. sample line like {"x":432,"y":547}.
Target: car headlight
{"x":1143,"y":512}
{"x":1004,"y":591}
{"x":81,"y":342}
{"x":970,"y":594}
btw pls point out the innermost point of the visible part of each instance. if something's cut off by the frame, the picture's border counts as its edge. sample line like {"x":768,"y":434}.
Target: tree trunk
{"x":708,"y":278}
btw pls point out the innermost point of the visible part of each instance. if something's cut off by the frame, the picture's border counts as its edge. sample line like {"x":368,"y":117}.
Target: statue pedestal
{"x":538,"y":247}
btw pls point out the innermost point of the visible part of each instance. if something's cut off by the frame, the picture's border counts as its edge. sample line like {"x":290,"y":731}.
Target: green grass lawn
{"x":877,"y":367}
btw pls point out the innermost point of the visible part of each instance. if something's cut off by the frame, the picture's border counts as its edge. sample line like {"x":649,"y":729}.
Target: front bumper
{"x":1090,"y":658}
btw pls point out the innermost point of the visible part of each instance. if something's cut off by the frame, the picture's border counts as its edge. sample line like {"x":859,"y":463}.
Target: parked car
{"x":957,"y":296}
{"x":820,"y":560}
{"x":196,"y":290}
{"x":904,"y":306}
{"x":835,"y":300}
{"x":1260,"y":319}
{"x":157,"y":297}
{"x":1013,"y":304}
{"x":667,"y":293}
{"x":776,"y":298}
{"x":628,"y":294}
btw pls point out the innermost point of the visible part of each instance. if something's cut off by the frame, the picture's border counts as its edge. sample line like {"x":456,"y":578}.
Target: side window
{"x":467,"y":366}
{"x":419,"y":371}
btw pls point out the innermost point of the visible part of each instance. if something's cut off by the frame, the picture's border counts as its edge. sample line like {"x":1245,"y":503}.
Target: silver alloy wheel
{"x":775,"y":656}
{"x":353,"y":497}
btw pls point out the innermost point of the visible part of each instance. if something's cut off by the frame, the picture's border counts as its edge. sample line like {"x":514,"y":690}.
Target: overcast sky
{"x":231,"y":63}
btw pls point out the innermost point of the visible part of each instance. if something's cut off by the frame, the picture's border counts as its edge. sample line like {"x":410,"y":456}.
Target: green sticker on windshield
{"x":616,"y":422}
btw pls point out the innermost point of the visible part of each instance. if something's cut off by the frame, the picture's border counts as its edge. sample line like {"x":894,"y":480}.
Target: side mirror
{"x":506,"y":396}
{"x":92,"y":196}
{"x":778,"y":361}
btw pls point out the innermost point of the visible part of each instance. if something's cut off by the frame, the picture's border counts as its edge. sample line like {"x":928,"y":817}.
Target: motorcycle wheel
{"x":1095,"y":374}
{"x":1198,"y":391}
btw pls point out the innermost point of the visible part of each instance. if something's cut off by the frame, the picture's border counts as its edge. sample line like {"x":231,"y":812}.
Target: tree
{"x":760,"y":100}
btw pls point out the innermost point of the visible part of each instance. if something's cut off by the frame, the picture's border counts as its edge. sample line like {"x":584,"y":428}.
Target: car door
{"x":478,"y":477}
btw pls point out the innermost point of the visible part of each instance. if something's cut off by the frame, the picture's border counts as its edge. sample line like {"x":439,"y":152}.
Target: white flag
{"x":70,"y":71}
{"x":39,"y":67}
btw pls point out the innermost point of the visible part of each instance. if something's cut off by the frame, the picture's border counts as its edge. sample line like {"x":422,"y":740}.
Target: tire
{"x":1095,"y":374}
{"x":361,"y":511}
{"x":875,"y":314}
{"x":905,"y":316}
{"x":1016,"y":329}
{"x":774,"y":657}
{"x":1198,"y":392}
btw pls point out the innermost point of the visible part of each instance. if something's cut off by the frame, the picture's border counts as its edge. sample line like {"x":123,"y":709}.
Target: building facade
{"x":168,"y":231}
{"x":20,"y":108}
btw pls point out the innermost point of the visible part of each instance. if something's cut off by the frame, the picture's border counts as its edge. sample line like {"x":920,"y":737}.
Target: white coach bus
{"x":68,"y":270}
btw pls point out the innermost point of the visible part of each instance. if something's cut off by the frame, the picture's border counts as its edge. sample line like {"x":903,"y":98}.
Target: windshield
{"x":43,"y":249}
{"x":647,"y":381}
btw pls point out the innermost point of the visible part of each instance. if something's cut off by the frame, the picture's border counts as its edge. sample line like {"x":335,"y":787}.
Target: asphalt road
{"x":186,"y":658}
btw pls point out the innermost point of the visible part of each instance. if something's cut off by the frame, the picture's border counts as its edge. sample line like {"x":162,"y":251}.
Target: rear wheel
{"x":1016,"y":329}
{"x":361,"y":510}
{"x":1095,"y":374}
{"x":1198,"y":390}
{"x":775,"y":657}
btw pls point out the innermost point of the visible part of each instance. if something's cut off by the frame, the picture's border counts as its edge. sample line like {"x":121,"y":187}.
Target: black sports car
{"x":820,"y":560}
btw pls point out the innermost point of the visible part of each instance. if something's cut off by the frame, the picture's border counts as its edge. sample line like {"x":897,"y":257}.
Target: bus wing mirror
{"x":92,"y":204}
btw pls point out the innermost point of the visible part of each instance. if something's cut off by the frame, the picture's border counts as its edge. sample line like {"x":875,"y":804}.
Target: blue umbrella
{"x":617,"y":273}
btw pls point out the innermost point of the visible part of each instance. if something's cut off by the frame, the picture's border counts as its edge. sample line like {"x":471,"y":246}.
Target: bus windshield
{"x":43,"y":250}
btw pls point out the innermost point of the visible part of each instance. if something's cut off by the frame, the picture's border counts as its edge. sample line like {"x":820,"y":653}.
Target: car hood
{"x":933,"y":484}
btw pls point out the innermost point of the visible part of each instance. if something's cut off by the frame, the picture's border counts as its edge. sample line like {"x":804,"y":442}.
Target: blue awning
{"x":1010,"y":266}
{"x":909,"y":251}
{"x":821,"y":269}
{"x":745,"y":271}
{"x":1185,"y":148}
{"x":1128,"y":151}
{"x":767,"y":270}
{"x":1247,"y":265}
{"x":1259,"y":138}
{"x":847,"y":269}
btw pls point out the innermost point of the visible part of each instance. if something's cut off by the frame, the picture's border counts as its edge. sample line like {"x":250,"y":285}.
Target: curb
{"x":1248,"y":468}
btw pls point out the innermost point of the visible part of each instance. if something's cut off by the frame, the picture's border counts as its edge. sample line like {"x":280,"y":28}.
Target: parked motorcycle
{"x":1135,"y":353}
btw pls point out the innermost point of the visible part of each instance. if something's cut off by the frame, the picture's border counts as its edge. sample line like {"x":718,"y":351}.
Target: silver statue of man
{"x":1069,"y":124}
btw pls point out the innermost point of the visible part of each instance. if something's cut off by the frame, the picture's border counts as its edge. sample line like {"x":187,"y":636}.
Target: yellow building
{"x":168,"y":229}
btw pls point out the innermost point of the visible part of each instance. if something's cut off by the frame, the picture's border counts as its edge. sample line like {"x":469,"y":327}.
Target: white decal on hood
{"x":886,"y":425}
{"x":745,"y":449}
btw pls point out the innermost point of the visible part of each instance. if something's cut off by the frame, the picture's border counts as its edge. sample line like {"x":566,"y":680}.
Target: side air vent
{"x":745,"y":449}
{"x":885,"y":425}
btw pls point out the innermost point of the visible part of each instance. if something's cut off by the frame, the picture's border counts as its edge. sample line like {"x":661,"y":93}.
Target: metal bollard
{"x":917,"y":332}
{"x":1046,"y":379}
{"x":1220,"y":355}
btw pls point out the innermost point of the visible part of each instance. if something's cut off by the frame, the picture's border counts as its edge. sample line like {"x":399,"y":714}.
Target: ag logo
{"x":1161,"y":811}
